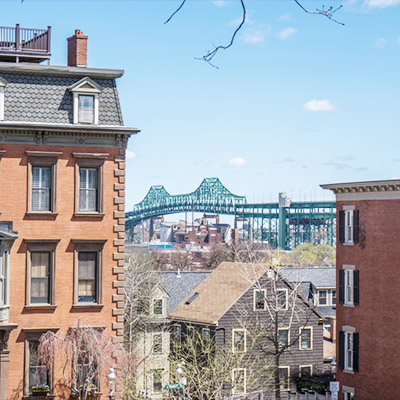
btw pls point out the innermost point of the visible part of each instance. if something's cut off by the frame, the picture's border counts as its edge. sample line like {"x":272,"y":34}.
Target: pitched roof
{"x":218,"y":292}
{"x":178,"y":288}
{"x":320,"y":277}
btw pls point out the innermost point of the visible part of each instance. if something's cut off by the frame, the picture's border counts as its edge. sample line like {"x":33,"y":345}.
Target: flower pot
{"x":40,"y":393}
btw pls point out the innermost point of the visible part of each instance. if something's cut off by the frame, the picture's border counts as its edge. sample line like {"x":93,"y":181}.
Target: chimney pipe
{"x":77,"y":49}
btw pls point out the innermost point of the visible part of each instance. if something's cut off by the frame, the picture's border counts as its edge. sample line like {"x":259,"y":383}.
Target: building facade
{"x":257,"y":321}
{"x":62,"y":199}
{"x":367,"y":281}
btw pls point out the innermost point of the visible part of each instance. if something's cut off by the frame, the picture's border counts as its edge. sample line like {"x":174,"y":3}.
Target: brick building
{"x":368,"y":346}
{"x":62,"y":199}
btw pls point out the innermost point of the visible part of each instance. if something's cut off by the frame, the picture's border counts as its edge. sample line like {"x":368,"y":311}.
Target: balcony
{"x":24,"y":44}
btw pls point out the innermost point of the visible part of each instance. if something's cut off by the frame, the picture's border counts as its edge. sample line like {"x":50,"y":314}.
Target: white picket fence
{"x":309,"y":396}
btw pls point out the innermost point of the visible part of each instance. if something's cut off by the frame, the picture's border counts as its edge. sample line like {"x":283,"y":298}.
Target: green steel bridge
{"x":284,"y":224}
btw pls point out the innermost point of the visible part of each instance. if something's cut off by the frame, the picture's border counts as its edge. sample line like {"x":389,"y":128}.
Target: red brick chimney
{"x":77,"y":50}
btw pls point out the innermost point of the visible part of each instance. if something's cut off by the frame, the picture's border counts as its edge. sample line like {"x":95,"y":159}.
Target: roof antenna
{"x":178,"y":274}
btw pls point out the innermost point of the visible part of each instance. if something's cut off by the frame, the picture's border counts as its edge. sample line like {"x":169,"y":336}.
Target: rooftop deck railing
{"x":25,"y":40}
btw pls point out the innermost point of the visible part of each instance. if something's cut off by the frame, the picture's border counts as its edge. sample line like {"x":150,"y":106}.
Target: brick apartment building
{"x":62,"y":199}
{"x":368,"y":276}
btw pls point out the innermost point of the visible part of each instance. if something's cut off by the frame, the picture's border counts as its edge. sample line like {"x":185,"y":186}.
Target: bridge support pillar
{"x":284,"y":202}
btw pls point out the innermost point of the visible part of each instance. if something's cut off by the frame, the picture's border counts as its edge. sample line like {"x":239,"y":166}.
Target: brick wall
{"x":377,"y":257}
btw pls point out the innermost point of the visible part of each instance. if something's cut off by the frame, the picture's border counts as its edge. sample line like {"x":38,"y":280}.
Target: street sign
{"x":334,"y":396}
{"x":173,"y":386}
{"x":334,"y":386}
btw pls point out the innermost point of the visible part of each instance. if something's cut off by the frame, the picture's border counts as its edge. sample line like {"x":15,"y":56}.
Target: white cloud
{"x":219,"y":3}
{"x":237,"y":162}
{"x":286,"y":33}
{"x":380,"y":42}
{"x":130,"y":155}
{"x":202,"y":163}
{"x":254,"y":36}
{"x":319,"y":105}
{"x":381,"y":3}
{"x":284,"y":17}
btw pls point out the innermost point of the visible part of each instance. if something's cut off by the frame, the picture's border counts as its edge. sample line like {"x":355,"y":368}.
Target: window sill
{"x":89,"y":214}
{"x":81,"y":306}
{"x":32,"y":307}
{"x":33,"y":396}
{"x":348,"y":244}
{"x":41,"y":214}
{"x":347,"y":371}
{"x":348,"y":305}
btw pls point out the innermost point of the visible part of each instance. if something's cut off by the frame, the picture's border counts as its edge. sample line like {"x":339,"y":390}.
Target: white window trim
{"x":162,"y":306}
{"x":306,"y":366}
{"x":264,"y":291}
{"x":286,"y":299}
{"x":285,"y":329}
{"x":3,"y":84}
{"x":88,"y":87}
{"x":153,"y":382}
{"x":233,"y":341}
{"x":162,"y":344}
{"x":348,"y":330}
{"x":348,"y":228}
{"x":288,"y":379}
{"x":348,"y":268}
{"x":245,"y":381}
{"x":329,"y":298}
{"x":348,"y":390}
{"x":311,"y":338}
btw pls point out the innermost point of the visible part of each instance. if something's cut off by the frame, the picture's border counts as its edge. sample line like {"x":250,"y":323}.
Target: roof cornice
{"x":28,"y":68}
{"x":391,"y":185}
{"x":68,"y":128}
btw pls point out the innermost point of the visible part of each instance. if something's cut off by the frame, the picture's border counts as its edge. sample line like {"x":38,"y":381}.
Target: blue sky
{"x":296,"y":102}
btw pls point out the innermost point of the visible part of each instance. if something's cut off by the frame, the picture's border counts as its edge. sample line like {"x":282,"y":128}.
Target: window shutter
{"x":341,"y":286}
{"x":356,"y":229}
{"x":356,"y":284}
{"x":355,"y":351}
{"x":341,"y":350}
{"x":341,"y":226}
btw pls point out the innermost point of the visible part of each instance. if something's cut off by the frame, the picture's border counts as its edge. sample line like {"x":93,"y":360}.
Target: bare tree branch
{"x":175,"y":12}
{"x":328,"y":13}
{"x":210,"y":54}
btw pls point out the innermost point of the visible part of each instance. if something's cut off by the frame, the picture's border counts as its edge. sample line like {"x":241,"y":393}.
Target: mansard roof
{"x":45,"y":98}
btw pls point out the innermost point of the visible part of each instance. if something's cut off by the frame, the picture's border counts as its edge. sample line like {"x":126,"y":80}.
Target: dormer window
{"x":86,"y":101}
{"x":3,"y":84}
{"x":86,"y":109}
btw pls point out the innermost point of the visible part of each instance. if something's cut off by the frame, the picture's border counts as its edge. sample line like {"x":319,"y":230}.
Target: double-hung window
{"x":41,"y":188}
{"x":88,"y":189}
{"x":239,"y":380}
{"x":87,"y":276}
{"x":85,"y":94}
{"x":239,"y":340}
{"x":88,"y":272}
{"x":348,"y":349}
{"x":40,"y":277}
{"x":348,"y":393}
{"x":306,"y":338}
{"x":86,"y":109}
{"x":259,"y":299}
{"x":157,"y":380}
{"x":40,"y":273}
{"x":322,"y":297}
{"x":177,"y":334}
{"x":157,"y":343}
{"x":89,"y":183}
{"x":349,"y":285}
{"x":283,"y":337}
{"x":348,"y":225}
{"x":42,"y":179}
{"x":158,"y":306}
{"x":282,"y":299}
{"x":284,"y":378}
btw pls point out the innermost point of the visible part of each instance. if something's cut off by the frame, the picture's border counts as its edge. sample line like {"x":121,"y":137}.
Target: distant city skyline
{"x":298,"y":101}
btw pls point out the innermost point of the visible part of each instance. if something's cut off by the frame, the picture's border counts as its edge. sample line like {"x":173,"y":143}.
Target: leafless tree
{"x":84,"y":352}
{"x":210,"y":54}
{"x":284,"y":308}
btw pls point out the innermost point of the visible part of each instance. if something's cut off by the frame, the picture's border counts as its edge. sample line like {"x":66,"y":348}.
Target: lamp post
{"x":182,"y":380}
{"x":111,"y":382}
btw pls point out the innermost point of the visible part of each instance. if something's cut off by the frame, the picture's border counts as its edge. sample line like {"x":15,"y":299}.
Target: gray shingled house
{"x":252,"y":310}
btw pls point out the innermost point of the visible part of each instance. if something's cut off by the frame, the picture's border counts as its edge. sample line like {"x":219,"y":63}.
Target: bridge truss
{"x":284,"y":224}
